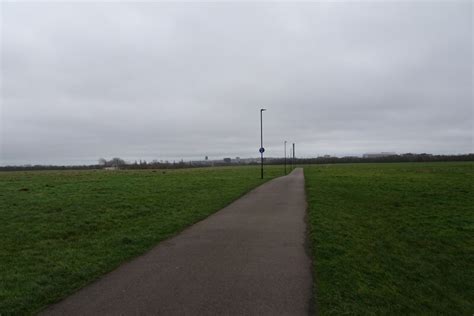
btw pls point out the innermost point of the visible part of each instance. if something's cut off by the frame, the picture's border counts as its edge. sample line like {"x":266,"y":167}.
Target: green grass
{"x":61,"y":230}
{"x":392,"y":238}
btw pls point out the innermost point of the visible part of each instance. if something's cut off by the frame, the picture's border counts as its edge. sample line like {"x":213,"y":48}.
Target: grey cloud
{"x":172,"y":81}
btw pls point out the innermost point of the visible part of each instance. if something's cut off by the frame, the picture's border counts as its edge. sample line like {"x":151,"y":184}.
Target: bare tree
{"x":117,"y":162}
{"x":102,"y":162}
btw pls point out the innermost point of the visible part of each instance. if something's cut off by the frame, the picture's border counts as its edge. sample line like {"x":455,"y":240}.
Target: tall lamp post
{"x":285,"y":156}
{"x":261,"y":143}
{"x":293,"y":161}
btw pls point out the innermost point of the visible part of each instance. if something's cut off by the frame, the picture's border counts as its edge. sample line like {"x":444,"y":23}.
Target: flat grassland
{"x":59,"y":230}
{"x":392,"y":238}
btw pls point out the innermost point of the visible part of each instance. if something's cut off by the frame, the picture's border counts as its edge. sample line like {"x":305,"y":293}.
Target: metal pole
{"x":285,"y":156}
{"x":261,"y":143}
{"x":293,"y":152}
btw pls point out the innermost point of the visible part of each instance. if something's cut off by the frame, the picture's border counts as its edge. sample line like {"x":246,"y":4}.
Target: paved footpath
{"x":247,"y":259}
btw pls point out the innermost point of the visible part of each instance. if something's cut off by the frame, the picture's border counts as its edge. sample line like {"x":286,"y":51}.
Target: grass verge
{"x":392,"y":238}
{"x":61,"y":230}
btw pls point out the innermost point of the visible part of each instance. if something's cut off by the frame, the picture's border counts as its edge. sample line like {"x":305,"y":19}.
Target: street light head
{"x":261,"y":110}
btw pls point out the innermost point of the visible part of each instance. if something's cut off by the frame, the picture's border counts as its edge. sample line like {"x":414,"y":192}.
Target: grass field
{"x":61,"y":230}
{"x":386,"y":238}
{"x":392,"y":238}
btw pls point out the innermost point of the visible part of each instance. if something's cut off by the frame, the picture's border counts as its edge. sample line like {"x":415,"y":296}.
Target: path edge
{"x":40,"y":310}
{"x":313,"y":309}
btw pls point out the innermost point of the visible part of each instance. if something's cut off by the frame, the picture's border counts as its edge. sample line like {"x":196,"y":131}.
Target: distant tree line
{"x":118,"y":163}
{"x":114,"y":162}
{"x":409,"y":157}
{"x":48,"y":167}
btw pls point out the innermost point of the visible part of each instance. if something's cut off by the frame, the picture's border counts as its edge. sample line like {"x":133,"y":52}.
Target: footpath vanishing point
{"x":247,"y":259}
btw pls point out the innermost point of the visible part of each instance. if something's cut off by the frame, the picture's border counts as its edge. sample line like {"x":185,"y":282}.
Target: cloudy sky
{"x":142,"y":80}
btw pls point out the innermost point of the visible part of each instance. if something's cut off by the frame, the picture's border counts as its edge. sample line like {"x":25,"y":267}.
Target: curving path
{"x":248,"y":258}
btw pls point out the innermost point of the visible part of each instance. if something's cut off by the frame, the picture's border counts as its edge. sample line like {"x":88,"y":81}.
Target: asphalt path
{"x":247,"y":259}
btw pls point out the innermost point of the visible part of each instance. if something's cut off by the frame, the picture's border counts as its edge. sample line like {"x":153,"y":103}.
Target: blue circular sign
{"x":261,"y":150}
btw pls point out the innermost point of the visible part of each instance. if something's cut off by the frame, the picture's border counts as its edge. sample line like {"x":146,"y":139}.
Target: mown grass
{"x":392,"y":238}
{"x":61,"y":230}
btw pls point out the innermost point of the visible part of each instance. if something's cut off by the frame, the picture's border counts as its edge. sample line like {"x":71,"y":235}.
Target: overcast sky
{"x":162,"y":80}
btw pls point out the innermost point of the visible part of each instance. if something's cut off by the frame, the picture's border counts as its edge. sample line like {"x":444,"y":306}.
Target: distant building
{"x":227,"y":160}
{"x":378,"y":155}
{"x":249,"y":160}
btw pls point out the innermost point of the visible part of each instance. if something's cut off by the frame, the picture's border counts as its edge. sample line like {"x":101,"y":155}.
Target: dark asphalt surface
{"x":247,"y":259}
